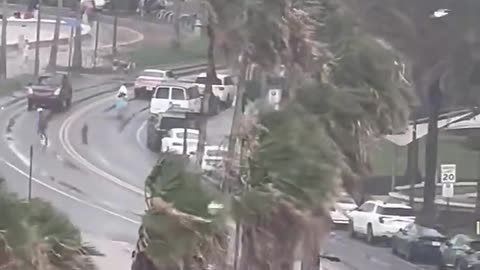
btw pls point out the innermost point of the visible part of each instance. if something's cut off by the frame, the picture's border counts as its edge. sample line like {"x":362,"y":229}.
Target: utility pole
{"x":3,"y":49}
{"x":97,"y":30}
{"x":37,"y":44}
{"x":414,"y":172}
{"x":30,"y":174}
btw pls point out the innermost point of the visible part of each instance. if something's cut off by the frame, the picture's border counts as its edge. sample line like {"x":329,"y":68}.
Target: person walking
{"x":26,"y":54}
{"x":42,"y":126}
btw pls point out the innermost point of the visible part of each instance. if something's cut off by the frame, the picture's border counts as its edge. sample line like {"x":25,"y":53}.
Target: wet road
{"x":99,"y":184}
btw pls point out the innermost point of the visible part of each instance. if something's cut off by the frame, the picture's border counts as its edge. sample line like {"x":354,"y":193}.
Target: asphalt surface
{"x":99,"y":183}
{"x":356,"y":254}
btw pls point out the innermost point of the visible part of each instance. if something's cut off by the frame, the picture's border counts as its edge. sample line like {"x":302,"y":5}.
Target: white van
{"x":178,"y":95}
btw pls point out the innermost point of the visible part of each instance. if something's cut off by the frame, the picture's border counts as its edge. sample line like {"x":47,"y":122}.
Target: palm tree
{"x":182,"y":224}
{"x":3,"y":50}
{"x":52,"y":62}
{"x":77,"y":42}
{"x":33,"y":235}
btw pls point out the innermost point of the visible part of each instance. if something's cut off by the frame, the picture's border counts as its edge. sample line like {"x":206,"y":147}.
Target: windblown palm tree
{"x":182,"y":225}
{"x":35,"y":236}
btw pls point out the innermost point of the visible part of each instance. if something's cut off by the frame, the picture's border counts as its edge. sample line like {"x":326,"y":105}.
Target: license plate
{"x":436,"y":244}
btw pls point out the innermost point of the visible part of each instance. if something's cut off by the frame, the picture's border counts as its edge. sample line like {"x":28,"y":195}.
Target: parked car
{"x":339,"y":212}
{"x":174,"y":141}
{"x":213,"y":158}
{"x":378,"y":219}
{"x":461,"y":252}
{"x":224,"y":88}
{"x":416,"y":241}
{"x":175,"y":95}
{"x":52,"y":91}
{"x":149,"y":79}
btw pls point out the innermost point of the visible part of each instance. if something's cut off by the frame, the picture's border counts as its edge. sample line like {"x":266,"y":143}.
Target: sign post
{"x":448,"y":177}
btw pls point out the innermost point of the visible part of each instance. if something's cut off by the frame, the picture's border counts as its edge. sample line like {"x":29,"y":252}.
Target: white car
{"x":148,"y":80}
{"x":225,"y":88}
{"x":339,"y":213}
{"x":173,"y":141}
{"x":176,"y":96}
{"x":213,"y":157}
{"x":377,"y":219}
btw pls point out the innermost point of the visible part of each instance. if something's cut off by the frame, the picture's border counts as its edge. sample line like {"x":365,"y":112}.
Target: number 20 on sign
{"x":448,"y":173}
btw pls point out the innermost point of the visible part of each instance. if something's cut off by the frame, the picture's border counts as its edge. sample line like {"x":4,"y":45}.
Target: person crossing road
{"x":42,"y":126}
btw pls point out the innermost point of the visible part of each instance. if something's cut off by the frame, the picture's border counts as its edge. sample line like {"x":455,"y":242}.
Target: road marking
{"x":70,"y":196}
{"x":138,"y":135}
{"x":67,"y":145}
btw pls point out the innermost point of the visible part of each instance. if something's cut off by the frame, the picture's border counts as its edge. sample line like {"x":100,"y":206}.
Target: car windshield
{"x":203,"y":80}
{"x":190,"y":135}
{"x":216,"y":153}
{"x":395,"y":211}
{"x":50,"y":80}
{"x":475,"y":245}
{"x":153,"y":74}
{"x":346,"y":200}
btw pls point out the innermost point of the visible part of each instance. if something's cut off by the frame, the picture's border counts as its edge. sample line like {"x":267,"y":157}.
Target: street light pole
{"x":30,"y":174}
{"x":414,"y":172}
{"x":115,"y":26}
{"x":97,"y":29}
{"x":37,"y":44}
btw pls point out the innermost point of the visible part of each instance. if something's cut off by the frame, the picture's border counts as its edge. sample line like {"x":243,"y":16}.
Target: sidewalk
{"x":120,"y":252}
{"x":17,"y":66}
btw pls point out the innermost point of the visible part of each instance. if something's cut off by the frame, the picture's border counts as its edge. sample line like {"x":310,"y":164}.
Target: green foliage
{"x":179,"y":222}
{"x":28,"y":229}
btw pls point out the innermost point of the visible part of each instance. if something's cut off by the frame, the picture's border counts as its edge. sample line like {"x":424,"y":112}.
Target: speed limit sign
{"x":448,"y":173}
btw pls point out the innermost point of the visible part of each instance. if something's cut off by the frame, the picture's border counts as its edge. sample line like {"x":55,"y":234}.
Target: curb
{"x":442,"y":202}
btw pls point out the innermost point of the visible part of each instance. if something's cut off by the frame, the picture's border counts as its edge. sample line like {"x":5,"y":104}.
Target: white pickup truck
{"x":224,"y":88}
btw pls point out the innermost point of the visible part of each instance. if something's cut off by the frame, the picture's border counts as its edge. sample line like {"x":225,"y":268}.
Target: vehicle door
{"x":179,"y":98}
{"x":230,"y":86}
{"x":452,"y":249}
{"x":362,"y":217}
{"x":160,"y":101}
{"x":194,"y":99}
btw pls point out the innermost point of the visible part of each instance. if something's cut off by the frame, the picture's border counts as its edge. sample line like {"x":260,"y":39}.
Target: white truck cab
{"x":224,"y":88}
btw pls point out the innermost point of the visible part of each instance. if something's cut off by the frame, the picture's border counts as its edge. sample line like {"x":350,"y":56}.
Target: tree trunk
{"x":428,"y":211}
{"x":477,"y":201}
{"x":176,"y":42}
{"x":52,"y":62}
{"x":115,"y":29}
{"x":211,"y":77}
{"x":3,"y":50}
{"x":236,"y":121}
{"x":77,"y":46}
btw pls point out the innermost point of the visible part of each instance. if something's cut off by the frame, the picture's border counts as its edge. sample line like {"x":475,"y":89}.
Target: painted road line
{"x":67,"y":145}
{"x":65,"y":194}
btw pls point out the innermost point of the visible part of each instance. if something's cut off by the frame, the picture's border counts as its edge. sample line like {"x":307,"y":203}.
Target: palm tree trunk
{"x":211,"y":77}
{"x":77,"y":45}
{"x":52,"y":62}
{"x":176,"y":42}
{"x":3,"y":50}
{"x":477,"y":201}
{"x":236,"y":121}
{"x":115,"y":29}
{"x":428,"y":211}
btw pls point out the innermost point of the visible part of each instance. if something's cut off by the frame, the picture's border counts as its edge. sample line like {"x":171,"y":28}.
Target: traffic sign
{"x":447,"y":190}
{"x":448,"y":173}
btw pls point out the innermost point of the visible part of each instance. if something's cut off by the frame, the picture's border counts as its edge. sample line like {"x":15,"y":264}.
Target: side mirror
{"x":448,"y":244}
